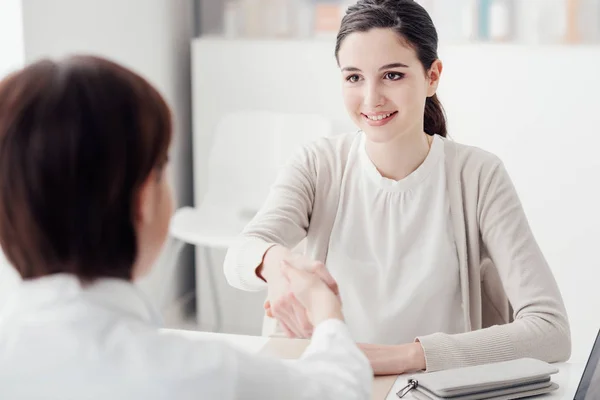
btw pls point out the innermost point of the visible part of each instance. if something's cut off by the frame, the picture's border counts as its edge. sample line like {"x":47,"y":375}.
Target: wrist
{"x":324,"y":316}
{"x":270,"y":268}
{"x":416,"y":357}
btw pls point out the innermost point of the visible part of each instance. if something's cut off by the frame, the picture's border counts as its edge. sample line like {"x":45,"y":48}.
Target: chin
{"x":380,"y":134}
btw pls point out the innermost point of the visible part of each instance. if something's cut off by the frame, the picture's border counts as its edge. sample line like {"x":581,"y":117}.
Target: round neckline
{"x":435,"y":154}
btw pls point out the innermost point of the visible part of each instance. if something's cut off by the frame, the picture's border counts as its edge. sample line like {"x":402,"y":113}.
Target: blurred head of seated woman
{"x":83,"y":157}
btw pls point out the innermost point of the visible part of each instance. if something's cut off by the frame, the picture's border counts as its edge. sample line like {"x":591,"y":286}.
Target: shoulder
{"x":471,"y":162}
{"x":480,"y":174}
{"x":466,"y":155}
{"x":332,"y":147}
{"x":328,"y":153}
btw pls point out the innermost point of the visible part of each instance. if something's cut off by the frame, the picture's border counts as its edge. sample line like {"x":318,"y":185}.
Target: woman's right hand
{"x":281,"y":302}
{"x":282,"y":305}
{"x":321,"y":303}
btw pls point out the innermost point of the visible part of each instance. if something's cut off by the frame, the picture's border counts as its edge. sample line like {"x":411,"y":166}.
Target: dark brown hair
{"x":413,"y":24}
{"x":78,"y":138}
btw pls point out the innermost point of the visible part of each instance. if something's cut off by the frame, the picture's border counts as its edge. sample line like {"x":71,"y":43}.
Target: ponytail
{"x":435,"y":118}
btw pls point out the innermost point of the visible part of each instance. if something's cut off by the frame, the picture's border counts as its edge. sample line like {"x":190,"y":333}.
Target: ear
{"x":434,"y":74}
{"x":144,"y":207}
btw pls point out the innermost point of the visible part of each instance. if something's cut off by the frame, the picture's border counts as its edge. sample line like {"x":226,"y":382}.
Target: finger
{"x":269,"y":312}
{"x":295,"y":323}
{"x":285,"y":314}
{"x":286,"y":330}
{"x":267,"y":304}
{"x":303,"y":323}
{"x":288,"y":322}
{"x":298,"y":323}
{"x":312,"y":328}
{"x":326,"y":277}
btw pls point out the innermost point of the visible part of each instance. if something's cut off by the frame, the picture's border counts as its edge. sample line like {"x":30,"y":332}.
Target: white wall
{"x":535,"y":107}
{"x":11,"y":58}
{"x":211,"y":16}
{"x":11,"y":36}
{"x":150,"y":36}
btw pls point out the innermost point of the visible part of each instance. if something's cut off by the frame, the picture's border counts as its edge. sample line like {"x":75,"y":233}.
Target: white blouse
{"x":62,"y":341}
{"x":392,"y":251}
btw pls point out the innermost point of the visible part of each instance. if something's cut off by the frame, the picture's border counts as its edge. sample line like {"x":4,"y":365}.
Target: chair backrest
{"x":248,"y":150}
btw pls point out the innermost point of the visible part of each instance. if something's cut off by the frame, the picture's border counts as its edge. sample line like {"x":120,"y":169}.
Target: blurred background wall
{"x":11,"y":57}
{"x":150,"y":36}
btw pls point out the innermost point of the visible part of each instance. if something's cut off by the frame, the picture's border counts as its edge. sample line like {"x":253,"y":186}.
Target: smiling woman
{"x":408,"y":66}
{"x":425,"y":239}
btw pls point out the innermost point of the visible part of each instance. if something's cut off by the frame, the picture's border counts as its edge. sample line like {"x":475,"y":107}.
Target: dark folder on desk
{"x":289,"y":349}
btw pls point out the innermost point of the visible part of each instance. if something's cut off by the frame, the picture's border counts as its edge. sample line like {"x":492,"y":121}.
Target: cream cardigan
{"x":511,"y":303}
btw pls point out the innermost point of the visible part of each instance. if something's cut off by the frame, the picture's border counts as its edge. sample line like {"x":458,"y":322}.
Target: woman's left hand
{"x":395,"y":359}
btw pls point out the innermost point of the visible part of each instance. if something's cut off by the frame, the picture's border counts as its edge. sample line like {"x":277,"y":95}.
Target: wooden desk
{"x":567,"y":378}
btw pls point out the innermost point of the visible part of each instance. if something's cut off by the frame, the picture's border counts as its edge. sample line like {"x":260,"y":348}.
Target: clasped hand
{"x":301,"y":296}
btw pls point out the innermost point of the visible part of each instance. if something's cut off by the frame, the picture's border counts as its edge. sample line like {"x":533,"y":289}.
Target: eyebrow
{"x":387,"y":66}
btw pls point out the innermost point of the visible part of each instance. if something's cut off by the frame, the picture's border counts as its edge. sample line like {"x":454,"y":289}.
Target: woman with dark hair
{"x":425,"y":238}
{"x":85,"y":206}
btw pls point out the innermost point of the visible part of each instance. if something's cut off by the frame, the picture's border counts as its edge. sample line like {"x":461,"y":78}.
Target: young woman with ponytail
{"x":424,"y":239}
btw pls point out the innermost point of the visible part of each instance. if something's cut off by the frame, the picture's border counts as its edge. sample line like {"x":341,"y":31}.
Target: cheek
{"x":168,"y":205}
{"x":352,"y":99}
{"x":409,"y":101}
{"x":164,"y":211}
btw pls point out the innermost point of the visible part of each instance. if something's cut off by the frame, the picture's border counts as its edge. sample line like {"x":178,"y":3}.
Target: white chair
{"x":249,"y":148}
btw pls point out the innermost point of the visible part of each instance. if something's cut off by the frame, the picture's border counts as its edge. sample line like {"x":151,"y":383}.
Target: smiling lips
{"x":379,"y":119}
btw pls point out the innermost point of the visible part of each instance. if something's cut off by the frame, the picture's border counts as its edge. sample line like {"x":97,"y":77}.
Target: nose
{"x":373,"y":96}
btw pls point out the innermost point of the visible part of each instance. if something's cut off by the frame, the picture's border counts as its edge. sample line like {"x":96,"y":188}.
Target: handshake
{"x":301,"y":292}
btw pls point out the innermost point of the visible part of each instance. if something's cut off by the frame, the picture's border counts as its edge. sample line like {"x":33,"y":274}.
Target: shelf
{"x":442,"y":44}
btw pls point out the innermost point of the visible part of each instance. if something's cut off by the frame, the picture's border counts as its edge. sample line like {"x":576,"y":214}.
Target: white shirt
{"x":59,"y":340}
{"x":392,"y":251}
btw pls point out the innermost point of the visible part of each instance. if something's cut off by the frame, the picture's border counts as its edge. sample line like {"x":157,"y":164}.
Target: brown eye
{"x":352,"y":78}
{"x":394,"y":76}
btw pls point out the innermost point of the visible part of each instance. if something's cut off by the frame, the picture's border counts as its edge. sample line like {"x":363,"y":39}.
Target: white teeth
{"x":378,"y":117}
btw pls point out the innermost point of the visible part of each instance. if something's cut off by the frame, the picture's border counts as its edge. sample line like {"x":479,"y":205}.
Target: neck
{"x":402,"y":156}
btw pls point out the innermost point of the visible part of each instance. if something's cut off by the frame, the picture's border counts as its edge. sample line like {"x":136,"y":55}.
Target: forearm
{"x":395,"y":359}
{"x":532,"y":336}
